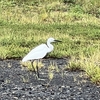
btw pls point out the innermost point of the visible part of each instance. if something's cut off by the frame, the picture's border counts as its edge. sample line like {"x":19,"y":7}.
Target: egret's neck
{"x":50,"y":46}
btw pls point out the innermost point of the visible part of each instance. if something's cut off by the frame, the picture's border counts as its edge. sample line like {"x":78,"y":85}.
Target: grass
{"x":28,"y":24}
{"x":22,"y":38}
{"x":90,"y":64}
{"x":29,"y":66}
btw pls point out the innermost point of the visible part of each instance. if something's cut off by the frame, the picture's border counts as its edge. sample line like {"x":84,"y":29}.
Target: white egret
{"x":39,"y":52}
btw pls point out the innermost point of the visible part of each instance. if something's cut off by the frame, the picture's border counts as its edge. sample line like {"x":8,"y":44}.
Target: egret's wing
{"x":36,"y":53}
{"x":38,"y":48}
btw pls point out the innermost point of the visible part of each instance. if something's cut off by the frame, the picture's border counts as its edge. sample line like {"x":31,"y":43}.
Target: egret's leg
{"x":37,"y":69}
{"x":33,"y":66}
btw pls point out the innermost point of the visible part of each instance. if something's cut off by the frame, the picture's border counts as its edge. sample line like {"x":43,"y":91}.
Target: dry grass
{"x":90,"y":64}
{"x":29,"y":66}
{"x":55,"y":12}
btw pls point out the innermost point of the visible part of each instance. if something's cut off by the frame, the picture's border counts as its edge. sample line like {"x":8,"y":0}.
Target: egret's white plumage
{"x":40,"y":51}
{"x":36,"y":53}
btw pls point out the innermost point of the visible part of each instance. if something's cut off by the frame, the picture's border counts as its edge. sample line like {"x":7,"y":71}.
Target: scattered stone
{"x":57,"y":89}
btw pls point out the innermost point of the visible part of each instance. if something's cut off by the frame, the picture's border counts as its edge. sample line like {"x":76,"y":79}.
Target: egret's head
{"x":52,"y":40}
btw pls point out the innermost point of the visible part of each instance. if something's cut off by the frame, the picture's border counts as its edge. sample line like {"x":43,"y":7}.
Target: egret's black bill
{"x":58,"y":41}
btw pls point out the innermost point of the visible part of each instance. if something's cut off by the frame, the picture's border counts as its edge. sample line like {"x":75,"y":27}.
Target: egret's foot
{"x":40,"y":79}
{"x":36,"y":77}
{"x":46,"y":85}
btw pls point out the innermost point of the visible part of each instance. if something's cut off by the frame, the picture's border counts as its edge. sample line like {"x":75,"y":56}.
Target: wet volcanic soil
{"x":17,"y":83}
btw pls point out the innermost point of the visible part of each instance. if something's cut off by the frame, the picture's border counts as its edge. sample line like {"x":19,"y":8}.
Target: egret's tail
{"x":24,"y":60}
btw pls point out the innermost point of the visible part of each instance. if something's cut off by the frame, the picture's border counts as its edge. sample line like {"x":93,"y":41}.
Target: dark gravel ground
{"x":17,"y":83}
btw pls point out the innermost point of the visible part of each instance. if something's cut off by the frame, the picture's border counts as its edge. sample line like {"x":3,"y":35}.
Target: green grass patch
{"x":30,"y":23}
{"x":17,"y":40}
